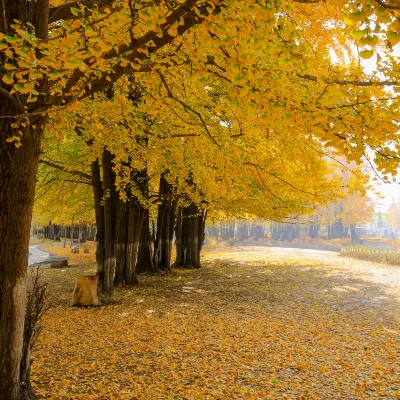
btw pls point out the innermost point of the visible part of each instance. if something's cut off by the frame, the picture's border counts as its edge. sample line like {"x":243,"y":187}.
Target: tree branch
{"x":13,"y":100}
{"x":256,"y":167}
{"x":60,"y":168}
{"x":69,"y":180}
{"x":190,"y":19}
{"x":354,"y":83}
{"x":186,"y":106}
{"x":63,"y":12}
{"x":281,"y":179}
{"x":42,"y":19}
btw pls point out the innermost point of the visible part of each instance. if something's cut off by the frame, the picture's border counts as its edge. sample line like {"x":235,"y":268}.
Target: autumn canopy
{"x":173,"y":111}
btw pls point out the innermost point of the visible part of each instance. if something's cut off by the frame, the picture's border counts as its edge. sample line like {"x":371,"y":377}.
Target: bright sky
{"x":391,"y":190}
{"x":388,"y":191}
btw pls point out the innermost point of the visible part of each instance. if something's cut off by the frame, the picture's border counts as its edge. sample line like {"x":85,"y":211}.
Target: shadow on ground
{"x":245,"y":326}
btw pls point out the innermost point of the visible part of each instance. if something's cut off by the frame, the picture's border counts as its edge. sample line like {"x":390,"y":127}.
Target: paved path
{"x":37,"y":255}
{"x":386,"y":277}
{"x":253,"y":323}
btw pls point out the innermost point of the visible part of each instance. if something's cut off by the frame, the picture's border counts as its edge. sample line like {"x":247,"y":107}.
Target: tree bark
{"x":72,"y":232}
{"x":189,"y":237}
{"x":145,"y":256}
{"x":121,"y":239}
{"x":99,"y":213}
{"x":109,"y":222}
{"x":165,"y":227}
{"x":65,"y":235}
{"x":18,"y":167}
{"x":135,"y":221}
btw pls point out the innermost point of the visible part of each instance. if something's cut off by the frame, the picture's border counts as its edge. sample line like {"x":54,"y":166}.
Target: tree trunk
{"x":109,"y":222}
{"x":145,"y":256}
{"x":99,"y":213}
{"x":120,"y":245}
{"x":202,"y":230}
{"x":189,"y":237}
{"x":165,"y":227}
{"x":135,"y":221}
{"x":18,"y":167}
{"x":72,"y":232}
{"x":353,"y":234}
{"x":65,"y":235}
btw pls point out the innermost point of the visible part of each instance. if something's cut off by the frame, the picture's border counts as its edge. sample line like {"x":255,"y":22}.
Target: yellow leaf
{"x":35,"y":74}
{"x":393,"y":37}
{"x":8,"y":78}
{"x":348,"y":21}
{"x":366,"y":54}
{"x":173,"y":31}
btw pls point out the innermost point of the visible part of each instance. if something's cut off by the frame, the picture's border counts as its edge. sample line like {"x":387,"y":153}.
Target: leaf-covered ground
{"x":254,"y":323}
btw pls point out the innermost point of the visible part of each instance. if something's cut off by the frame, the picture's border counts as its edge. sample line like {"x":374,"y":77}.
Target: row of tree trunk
{"x":281,"y":231}
{"x":127,"y":242}
{"x":285,"y":232}
{"x":236,"y":230}
{"x":56,"y":232}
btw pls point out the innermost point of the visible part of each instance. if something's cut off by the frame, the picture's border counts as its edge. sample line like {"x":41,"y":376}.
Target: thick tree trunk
{"x":145,"y":256}
{"x":167,"y":250}
{"x":165,"y":227}
{"x":18,"y":167}
{"x":135,"y":220}
{"x":120,"y":245}
{"x":99,"y":213}
{"x":189,"y":237}
{"x":109,"y":222}
{"x":135,"y":216}
{"x":202,"y":230}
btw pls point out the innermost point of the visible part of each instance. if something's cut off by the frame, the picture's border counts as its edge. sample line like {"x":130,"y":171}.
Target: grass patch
{"x":382,"y":256}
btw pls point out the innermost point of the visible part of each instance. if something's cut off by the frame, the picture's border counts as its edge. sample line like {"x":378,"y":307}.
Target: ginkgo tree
{"x":53,"y":55}
{"x":63,"y":189}
{"x":243,"y":174}
{"x":247,"y":166}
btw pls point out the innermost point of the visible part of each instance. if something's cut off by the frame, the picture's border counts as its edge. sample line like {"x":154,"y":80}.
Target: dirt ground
{"x":253,"y":323}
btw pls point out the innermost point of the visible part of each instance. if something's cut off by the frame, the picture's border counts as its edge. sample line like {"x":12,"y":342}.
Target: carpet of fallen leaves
{"x":250,"y":324}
